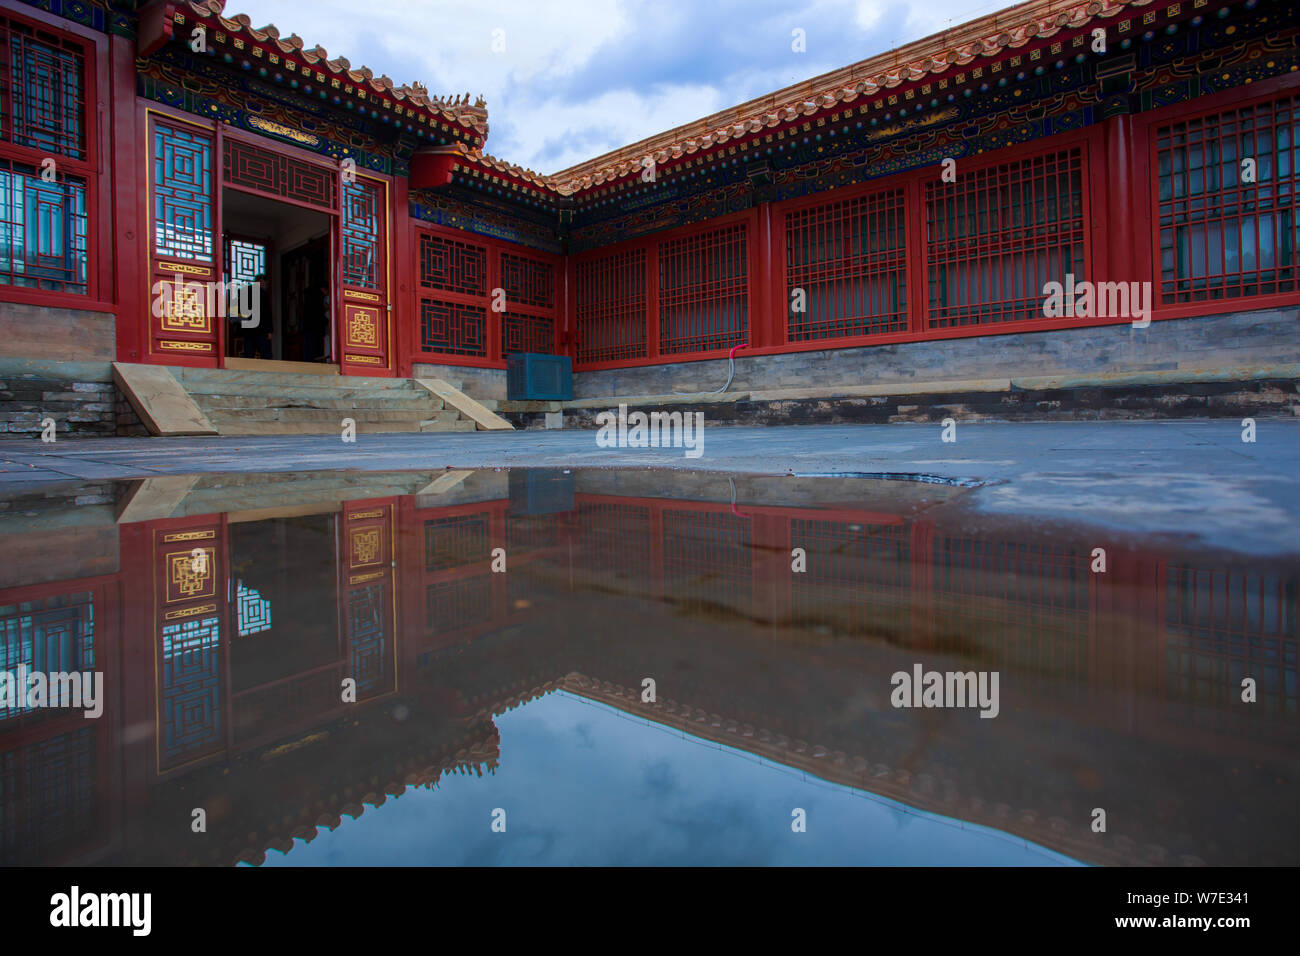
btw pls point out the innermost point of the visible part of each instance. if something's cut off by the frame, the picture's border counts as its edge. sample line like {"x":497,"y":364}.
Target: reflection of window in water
{"x":53,"y":635}
{"x":1221,"y":626}
{"x":254,"y":611}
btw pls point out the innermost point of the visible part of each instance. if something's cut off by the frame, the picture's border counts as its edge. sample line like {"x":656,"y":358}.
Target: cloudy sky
{"x":578,"y":78}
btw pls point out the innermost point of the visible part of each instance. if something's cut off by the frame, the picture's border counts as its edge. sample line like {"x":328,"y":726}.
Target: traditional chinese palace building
{"x":915,"y":205}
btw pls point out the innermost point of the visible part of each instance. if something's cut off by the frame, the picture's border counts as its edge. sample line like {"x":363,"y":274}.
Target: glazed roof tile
{"x":988,"y":37}
{"x":934,"y":56}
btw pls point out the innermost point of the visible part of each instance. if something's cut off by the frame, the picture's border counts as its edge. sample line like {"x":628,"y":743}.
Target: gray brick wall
{"x":84,"y":408}
{"x":1232,"y":339}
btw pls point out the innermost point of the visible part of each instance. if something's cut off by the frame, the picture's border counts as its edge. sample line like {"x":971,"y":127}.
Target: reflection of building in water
{"x":1119,"y":689}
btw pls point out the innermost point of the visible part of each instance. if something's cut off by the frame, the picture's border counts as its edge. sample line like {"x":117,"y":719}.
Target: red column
{"x":404,"y":314}
{"x":1117,"y":208}
{"x":124,"y":175}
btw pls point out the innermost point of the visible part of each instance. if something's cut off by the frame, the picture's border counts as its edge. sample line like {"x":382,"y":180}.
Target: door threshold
{"x":272,"y":365}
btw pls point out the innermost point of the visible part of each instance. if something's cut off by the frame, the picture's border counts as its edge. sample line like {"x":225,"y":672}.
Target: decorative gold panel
{"x":363,"y":327}
{"x":365,"y":546}
{"x":184,"y":310}
{"x":188,"y":578}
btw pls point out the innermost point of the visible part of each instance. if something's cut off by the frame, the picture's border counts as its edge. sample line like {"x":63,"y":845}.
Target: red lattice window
{"x":44,"y":116}
{"x":453,"y":328}
{"x":360,"y":233}
{"x":854,"y":571}
{"x":456,"y":541}
{"x":42,"y":90}
{"x":1222,"y":625}
{"x":704,"y":291}
{"x":1028,"y":605}
{"x":1221,"y":235}
{"x":614,"y":543}
{"x":450,"y":265}
{"x":42,"y":230}
{"x":528,"y":324}
{"x":708,"y":559}
{"x":610,"y":307}
{"x":273,"y":173}
{"x":454,"y":310}
{"x":846,"y":268}
{"x":528,"y":282}
{"x":454,"y":605}
{"x":521,"y":332}
{"x":997,"y":235}
{"x":477,"y":299}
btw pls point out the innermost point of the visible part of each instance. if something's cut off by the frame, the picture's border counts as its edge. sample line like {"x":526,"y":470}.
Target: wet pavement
{"x":1195,"y":476}
{"x":623,"y":666}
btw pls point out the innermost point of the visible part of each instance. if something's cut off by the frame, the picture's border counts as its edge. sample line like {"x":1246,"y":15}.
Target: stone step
{"x":411,"y":402}
{"x":194,"y":376}
{"x":321,"y":428}
{"x":274,"y":390}
{"x":459,"y":425}
{"x":221,"y":417}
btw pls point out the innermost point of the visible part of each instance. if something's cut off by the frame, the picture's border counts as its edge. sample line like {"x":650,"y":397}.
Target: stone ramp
{"x":279,"y":401}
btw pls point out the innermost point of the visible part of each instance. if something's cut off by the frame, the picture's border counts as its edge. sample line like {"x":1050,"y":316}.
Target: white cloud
{"x":582,"y":77}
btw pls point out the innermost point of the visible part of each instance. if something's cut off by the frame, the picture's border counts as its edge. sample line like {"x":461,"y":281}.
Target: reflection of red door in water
{"x":364,"y":317}
{"x":366,"y":608}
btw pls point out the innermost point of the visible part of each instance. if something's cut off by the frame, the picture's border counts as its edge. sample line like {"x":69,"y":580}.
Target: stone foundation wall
{"x":1263,"y":398}
{"x":475,"y":382}
{"x":1231,"y":339}
{"x":57,"y":364}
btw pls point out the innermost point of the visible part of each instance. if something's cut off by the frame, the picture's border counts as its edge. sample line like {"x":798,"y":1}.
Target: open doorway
{"x":286,"y":249}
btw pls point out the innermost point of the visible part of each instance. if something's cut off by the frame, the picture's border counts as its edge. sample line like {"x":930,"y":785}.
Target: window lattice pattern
{"x":452,"y":266}
{"x":453,"y":328}
{"x":271,"y":172}
{"x":1026,"y":605}
{"x":858,"y":574}
{"x":52,"y":635}
{"x":252,"y":611}
{"x":368,"y":645}
{"x":455,"y":541}
{"x":190,"y":689}
{"x":48,"y":803}
{"x":615,"y":544}
{"x":998,"y":235}
{"x":1222,"y":626}
{"x":42,"y":91}
{"x":182,"y":194}
{"x":1222,"y":237}
{"x":360,"y":233}
{"x":528,"y":533}
{"x":42,"y":230}
{"x":452,"y":605}
{"x":245,"y":261}
{"x":708,"y":560}
{"x":704,"y":291}
{"x":521,"y":332}
{"x":528,"y":282}
{"x":849,"y":260}
{"x":610,"y":309}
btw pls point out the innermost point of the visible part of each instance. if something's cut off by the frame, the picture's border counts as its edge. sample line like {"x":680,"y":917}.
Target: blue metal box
{"x":534,"y":377}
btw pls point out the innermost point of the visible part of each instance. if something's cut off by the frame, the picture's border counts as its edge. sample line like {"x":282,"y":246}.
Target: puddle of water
{"x":637,"y":667}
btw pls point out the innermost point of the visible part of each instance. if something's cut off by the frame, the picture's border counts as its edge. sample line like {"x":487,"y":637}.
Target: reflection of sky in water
{"x":584,"y":783}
